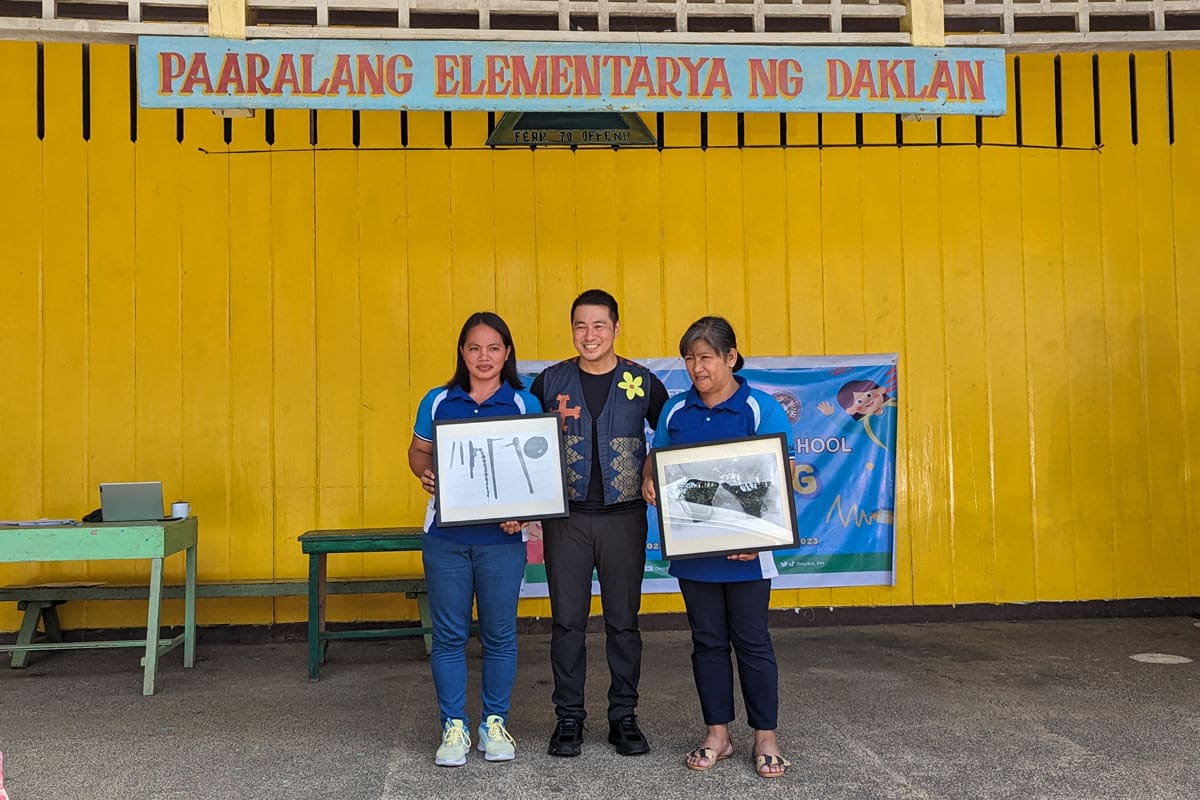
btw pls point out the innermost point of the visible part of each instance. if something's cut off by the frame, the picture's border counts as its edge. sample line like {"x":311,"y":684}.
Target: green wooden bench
{"x":318,"y":545}
{"x":40,"y":602}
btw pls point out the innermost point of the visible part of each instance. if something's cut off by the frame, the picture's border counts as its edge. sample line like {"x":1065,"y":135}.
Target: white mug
{"x":180,"y":509}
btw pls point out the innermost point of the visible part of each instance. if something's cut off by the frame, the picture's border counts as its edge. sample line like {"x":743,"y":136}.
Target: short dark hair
{"x":717,"y":333}
{"x":597,"y":297}
{"x":508,"y":373}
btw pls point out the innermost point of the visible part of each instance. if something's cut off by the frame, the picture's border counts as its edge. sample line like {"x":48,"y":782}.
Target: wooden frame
{"x":497,"y":469}
{"x":731,"y":496}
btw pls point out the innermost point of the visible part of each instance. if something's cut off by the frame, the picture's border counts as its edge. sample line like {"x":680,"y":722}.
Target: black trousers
{"x":615,"y":545}
{"x":721,"y":614}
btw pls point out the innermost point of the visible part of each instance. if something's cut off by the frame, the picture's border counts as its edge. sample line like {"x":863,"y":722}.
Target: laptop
{"x":131,"y":502}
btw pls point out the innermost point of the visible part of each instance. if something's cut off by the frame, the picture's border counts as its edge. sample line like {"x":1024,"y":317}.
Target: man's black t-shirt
{"x":596,"y":389}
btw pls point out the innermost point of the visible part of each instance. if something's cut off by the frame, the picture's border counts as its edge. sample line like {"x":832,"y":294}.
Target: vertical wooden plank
{"x":251,"y":331}
{"x":387,"y":416}
{"x":1159,"y":324}
{"x":802,"y":166}
{"x":157,"y":341}
{"x":294,"y":412}
{"x":68,"y":485}
{"x":515,"y":258}
{"x":339,"y":349}
{"x":722,"y":129}
{"x":957,"y":130}
{"x":804,"y":237}
{"x":556,"y":237}
{"x":21,"y":335}
{"x":1123,"y":308}
{"x":883,"y":309}
{"x":763,"y":190}
{"x":111,"y":412}
{"x":680,"y":130}
{"x":919,"y":131}
{"x":841,"y":236}
{"x":640,"y":254}
{"x":761,"y":130}
{"x":683,"y":237}
{"x":838,"y":131}
{"x":969,"y":479}
{"x":204,"y":304}
{"x":598,"y":207}
{"x":726,"y":277}
{"x":764,"y":220}
{"x":1045,"y":327}
{"x":684,"y":278}
{"x":926,"y":450}
{"x":473,"y":246}
{"x":1005,"y":345}
{"x":1087,"y":367}
{"x":844,"y":295}
{"x":1185,"y":154}
{"x":432,"y":334}
{"x":536,"y":335}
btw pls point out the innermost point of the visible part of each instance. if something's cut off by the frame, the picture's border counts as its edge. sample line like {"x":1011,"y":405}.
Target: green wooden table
{"x":318,"y":545}
{"x":114,"y":540}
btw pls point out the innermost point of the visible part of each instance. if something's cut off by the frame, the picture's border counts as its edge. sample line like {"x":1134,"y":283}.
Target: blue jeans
{"x":455,"y":575}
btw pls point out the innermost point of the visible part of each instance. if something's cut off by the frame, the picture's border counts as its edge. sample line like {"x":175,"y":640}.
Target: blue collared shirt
{"x":441,"y":403}
{"x":687,"y":420}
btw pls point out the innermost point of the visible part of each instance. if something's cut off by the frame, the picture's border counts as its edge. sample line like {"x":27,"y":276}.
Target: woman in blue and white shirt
{"x":726,"y":596}
{"x":482,"y":563}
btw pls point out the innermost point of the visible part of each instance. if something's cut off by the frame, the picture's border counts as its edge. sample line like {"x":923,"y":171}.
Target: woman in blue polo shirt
{"x":726,"y":596}
{"x":481,"y":563}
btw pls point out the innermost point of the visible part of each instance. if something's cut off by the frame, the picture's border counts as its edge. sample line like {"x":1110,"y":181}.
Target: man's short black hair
{"x":597,"y":297}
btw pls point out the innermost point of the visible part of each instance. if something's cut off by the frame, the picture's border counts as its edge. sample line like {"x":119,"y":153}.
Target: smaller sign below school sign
{"x":191,"y":72}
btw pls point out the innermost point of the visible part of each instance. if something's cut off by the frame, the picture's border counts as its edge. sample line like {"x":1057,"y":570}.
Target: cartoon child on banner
{"x":862,"y":400}
{"x":872,"y":406}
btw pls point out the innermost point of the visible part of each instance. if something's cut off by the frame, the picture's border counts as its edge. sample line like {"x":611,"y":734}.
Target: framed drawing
{"x":732,"y":496}
{"x":499,"y":468}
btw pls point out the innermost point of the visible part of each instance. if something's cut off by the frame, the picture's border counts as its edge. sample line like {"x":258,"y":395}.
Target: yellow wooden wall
{"x":253,"y":322}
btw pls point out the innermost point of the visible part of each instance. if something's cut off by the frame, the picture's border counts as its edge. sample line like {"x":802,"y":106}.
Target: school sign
{"x":192,"y":72}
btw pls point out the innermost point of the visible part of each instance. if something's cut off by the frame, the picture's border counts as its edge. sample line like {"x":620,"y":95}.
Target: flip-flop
{"x":708,"y":754}
{"x":771,"y":761}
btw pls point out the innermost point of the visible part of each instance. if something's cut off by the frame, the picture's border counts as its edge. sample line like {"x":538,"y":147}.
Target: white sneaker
{"x":495,"y":741}
{"x":455,"y":744}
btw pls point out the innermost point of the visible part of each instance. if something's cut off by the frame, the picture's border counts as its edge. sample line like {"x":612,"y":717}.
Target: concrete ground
{"x":964,"y":710}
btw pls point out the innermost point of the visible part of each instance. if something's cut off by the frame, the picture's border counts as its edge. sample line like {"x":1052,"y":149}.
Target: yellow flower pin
{"x":632,"y":386}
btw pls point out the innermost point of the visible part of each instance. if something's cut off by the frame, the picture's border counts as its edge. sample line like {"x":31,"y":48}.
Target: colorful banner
{"x":191,"y":72}
{"x":843,"y":412}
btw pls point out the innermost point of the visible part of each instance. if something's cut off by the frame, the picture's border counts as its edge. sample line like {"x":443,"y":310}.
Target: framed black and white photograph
{"x":732,"y":496}
{"x":497,"y":469}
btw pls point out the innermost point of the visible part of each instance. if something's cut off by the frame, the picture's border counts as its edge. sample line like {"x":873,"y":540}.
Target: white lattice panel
{"x":1014,"y":24}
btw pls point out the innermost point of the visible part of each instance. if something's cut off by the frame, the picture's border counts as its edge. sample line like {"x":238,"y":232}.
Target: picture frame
{"x":496,"y":469}
{"x":728,"y":496}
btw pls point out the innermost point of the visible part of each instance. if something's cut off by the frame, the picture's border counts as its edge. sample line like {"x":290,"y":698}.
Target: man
{"x":605,"y":402}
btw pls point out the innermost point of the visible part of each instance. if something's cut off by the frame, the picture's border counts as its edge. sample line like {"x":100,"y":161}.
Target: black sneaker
{"x":628,"y":738}
{"x":567,"y":740}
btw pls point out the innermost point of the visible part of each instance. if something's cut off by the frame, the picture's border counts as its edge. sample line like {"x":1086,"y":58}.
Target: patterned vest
{"x":620,"y":428}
